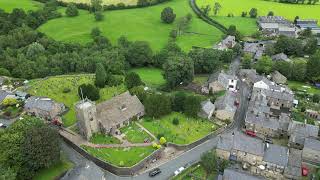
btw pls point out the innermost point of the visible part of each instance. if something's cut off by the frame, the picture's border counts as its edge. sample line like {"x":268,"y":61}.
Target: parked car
{"x":154,"y":172}
{"x":178,"y":171}
{"x":268,"y":140}
{"x":2,"y":125}
{"x":251,"y":133}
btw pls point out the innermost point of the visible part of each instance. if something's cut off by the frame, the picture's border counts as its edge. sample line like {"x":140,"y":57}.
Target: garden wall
{"x":120,"y":171}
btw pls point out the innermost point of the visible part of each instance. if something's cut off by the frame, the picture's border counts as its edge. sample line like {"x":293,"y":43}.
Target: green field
{"x":136,"y":24}
{"x":103,"y":139}
{"x":8,"y":5}
{"x":135,"y":134}
{"x":152,"y":77}
{"x":290,"y":11}
{"x":125,"y":157}
{"x":247,"y":26}
{"x":187,"y":131}
{"x":104,"y":2}
{"x":53,"y":87}
{"x":300,"y":86}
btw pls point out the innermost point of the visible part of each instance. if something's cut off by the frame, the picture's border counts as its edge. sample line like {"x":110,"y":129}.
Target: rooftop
{"x":276,"y":154}
{"x":312,"y":143}
{"x":231,"y":174}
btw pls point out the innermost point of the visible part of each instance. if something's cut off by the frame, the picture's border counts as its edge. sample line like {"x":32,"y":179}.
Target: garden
{"x":124,"y":157}
{"x":177,"y":127}
{"x":99,"y":138}
{"x":134,"y":134}
{"x":65,"y":89}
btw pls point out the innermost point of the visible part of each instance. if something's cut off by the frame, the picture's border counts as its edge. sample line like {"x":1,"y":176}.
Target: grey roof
{"x":21,"y":94}
{"x":299,"y":131}
{"x":312,"y":143}
{"x":258,"y":54}
{"x":250,"y":47}
{"x":278,"y":78}
{"x":280,"y":95}
{"x":85,"y":171}
{"x":223,"y":79}
{"x":250,"y":74}
{"x":231,"y":174}
{"x":280,"y":56}
{"x":119,"y":109}
{"x":207,"y":106}
{"x":241,"y":142}
{"x":226,"y":102}
{"x":276,"y":154}
{"x":294,"y":163}
{"x":273,"y":19}
{"x":3,"y":95}
{"x":269,"y":25}
{"x":43,"y":103}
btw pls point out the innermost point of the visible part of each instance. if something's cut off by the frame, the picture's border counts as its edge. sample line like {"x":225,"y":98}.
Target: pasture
{"x":152,"y":77}
{"x":9,"y":5}
{"x":104,"y":2}
{"x":143,"y":24}
{"x":290,"y":11}
{"x":53,"y":87}
{"x":246,"y":26}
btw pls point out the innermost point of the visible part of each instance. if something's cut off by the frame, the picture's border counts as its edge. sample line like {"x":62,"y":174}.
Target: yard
{"x":9,"y":5}
{"x":135,"y":134}
{"x":55,"y":171}
{"x":152,"y":77}
{"x":142,"y":24}
{"x":103,"y":139}
{"x":290,"y":11}
{"x":187,"y":131}
{"x":125,"y":157}
{"x":53,"y":87}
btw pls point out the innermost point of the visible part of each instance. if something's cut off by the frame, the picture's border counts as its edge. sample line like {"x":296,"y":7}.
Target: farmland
{"x":141,"y":24}
{"x":104,"y":2}
{"x":8,"y":5}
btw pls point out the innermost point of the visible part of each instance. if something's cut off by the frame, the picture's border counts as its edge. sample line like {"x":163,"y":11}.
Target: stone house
{"x":224,"y":82}
{"x":250,"y":76}
{"x":293,"y":169}
{"x":280,"y":57}
{"x":232,"y":174}
{"x":298,"y":132}
{"x":227,"y":43}
{"x":278,"y":78}
{"x":225,"y":106}
{"x":275,"y":26}
{"x":207,"y":109}
{"x":311,"y":151}
{"x":107,"y":117}
{"x":312,"y":114}
{"x":240,"y":147}
{"x":275,"y":158}
{"x":43,"y":107}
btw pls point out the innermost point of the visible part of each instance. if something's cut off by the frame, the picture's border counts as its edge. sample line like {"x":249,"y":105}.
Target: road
{"x":190,"y":156}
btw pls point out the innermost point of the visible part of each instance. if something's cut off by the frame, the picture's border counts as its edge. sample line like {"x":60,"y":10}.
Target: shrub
{"x":173,"y":34}
{"x":88,"y":91}
{"x":95,"y":32}
{"x":316,"y":98}
{"x":167,"y":15}
{"x":303,"y":109}
{"x":160,"y":135}
{"x":162,"y":140}
{"x":244,"y":14}
{"x":66,"y":90}
{"x":72,"y":10}
{"x":175,"y":121}
{"x":253,"y":13}
{"x":98,"y":15}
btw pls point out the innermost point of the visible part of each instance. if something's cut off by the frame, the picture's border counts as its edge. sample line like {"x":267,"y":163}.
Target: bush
{"x":160,"y":135}
{"x":253,"y":13}
{"x":316,"y":98}
{"x":167,"y":15}
{"x":173,"y":34}
{"x":95,"y":32}
{"x":88,"y":91}
{"x":133,"y":80}
{"x":98,"y":15}
{"x":162,"y":140}
{"x":244,"y":14}
{"x":303,"y":109}
{"x":175,"y":121}
{"x":72,"y":10}
{"x":66,"y":90}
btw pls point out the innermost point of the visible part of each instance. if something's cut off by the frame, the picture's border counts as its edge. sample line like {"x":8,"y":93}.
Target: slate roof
{"x":241,"y":142}
{"x":278,"y":78}
{"x":231,"y":174}
{"x":250,"y":74}
{"x":223,"y":79}
{"x":299,"y":131}
{"x":280,"y":95}
{"x":226,"y":102}
{"x":118,"y":109}
{"x":273,"y":19}
{"x":312,"y":143}
{"x":207,"y":107}
{"x":280,"y":56}
{"x":43,"y":103}
{"x":294,"y":163}
{"x":276,"y":154}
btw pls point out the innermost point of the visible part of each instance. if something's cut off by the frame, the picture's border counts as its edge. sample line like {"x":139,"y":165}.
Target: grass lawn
{"x":152,"y":77}
{"x":290,"y":11}
{"x":195,"y":171}
{"x":125,"y":157}
{"x":247,"y":26}
{"x":53,"y":87}
{"x":142,"y":24}
{"x":188,"y":130}
{"x":9,"y":5}
{"x":104,"y":139}
{"x":300,"y":86}
{"x":135,"y":134}
{"x":55,"y":171}
{"x":104,"y":2}
{"x":200,"y":79}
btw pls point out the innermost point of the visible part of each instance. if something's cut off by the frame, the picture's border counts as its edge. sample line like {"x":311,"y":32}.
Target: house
{"x":288,"y":31}
{"x":280,"y":57}
{"x":298,"y":132}
{"x":278,"y":78}
{"x":307,"y":23}
{"x":311,"y":151}
{"x":227,"y":43}
{"x":276,"y":158}
{"x":293,"y":169}
{"x":237,"y":146}
{"x":250,"y":76}
{"x":232,"y":174}
{"x":225,"y":106}
{"x":207,"y":109}
{"x":43,"y":107}
{"x":256,"y":50}
{"x":275,"y":26}
{"x":107,"y":117}
{"x":224,"y":82}
{"x":312,"y":114}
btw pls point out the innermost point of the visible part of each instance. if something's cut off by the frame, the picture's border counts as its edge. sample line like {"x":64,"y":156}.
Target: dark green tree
{"x":270,"y":13}
{"x":72,"y":10}
{"x":298,"y":72}
{"x":96,"y":5}
{"x":264,"y":65}
{"x":246,"y":61}
{"x":132,"y":80}
{"x":139,"y":92}
{"x":139,"y":54}
{"x":98,"y":15}
{"x":313,"y":67}
{"x":253,"y":13}
{"x":178,"y":101}
{"x":192,"y":105}
{"x":311,"y":46}
{"x":88,"y":91}
{"x":101,"y":75}
{"x":157,"y":105}
{"x":95,"y":32}
{"x":167,"y":15}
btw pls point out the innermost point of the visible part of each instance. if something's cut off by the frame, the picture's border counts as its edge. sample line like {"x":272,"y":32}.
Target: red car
{"x":251,"y":133}
{"x":304,"y":171}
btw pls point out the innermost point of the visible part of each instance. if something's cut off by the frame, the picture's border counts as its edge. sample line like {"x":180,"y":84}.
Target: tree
{"x":246,"y":61}
{"x":269,"y":49}
{"x":178,"y":70}
{"x":72,"y":10}
{"x":162,"y":140}
{"x":311,"y":46}
{"x":253,"y":13}
{"x":244,"y":14}
{"x":316,"y":98}
{"x":270,"y":13}
{"x":139,"y":92}
{"x":183,"y":23}
{"x":298,"y":72}
{"x":313,"y":66}
{"x":209,"y":162}
{"x":167,"y":15}
{"x":132,"y":79}
{"x":306,"y":33}
{"x":178,"y":101}
{"x":157,"y":105}
{"x":4,"y":72}
{"x":98,"y":15}
{"x":88,"y":91}
{"x":192,"y":105}
{"x":35,"y":49}
{"x":96,"y":5}
{"x":264,"y":65}
{"x":289,"y":46}
{"x":101,"y":75}
{"x":139,"y":54}
{"x":95,"y":32}
{"x":237,"y":49}
{"x":283,"y":67}
{"x":206,"y":10}
{"x":175,"y":121}
{"x":216,"y":8}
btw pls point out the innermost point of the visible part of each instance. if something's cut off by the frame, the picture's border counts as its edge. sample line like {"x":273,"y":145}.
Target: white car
{"x":2,"y":125}
{"x":178,"y":171}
